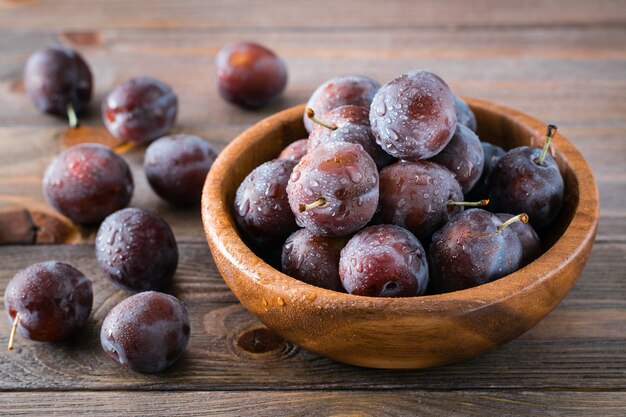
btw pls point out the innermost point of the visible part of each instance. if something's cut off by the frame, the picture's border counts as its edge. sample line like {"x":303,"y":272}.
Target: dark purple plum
{"x":463,"y":156}
{"x":87,"y":182}
{"x":48,"y":301}
{"x":146,"y":332}
{"x":313,"y":259}
{"x":176,"y":167}
{"x":413,"y":116}
{"x":354,"y":90}
{"x":295,"y":150}
{"x":384,"y":261}
{"x":531,"y":244}
{"x":492,"y":155}
{"x":528,"y":180}
{"x":464,"y":115}
{"x":58,"y":81}
{"x":261,"y":206}
{"x":415,"y":195}
{"x":137,"y":250}
{"x":333,"y":191}
{"x":348,"y":124}
{"x":249,"y":75}
{"x":140,"y":110}
{"x":473,"y":248}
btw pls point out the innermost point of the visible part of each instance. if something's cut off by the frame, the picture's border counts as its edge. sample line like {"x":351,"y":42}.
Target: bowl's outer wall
{"x":412,"y":332}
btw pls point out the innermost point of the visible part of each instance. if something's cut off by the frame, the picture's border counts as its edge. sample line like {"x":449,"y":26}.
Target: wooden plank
{"x":578,"y":346}
{"x":612,"y":228}
{"x":321,"y":14}
{"x":314,"y":404}
{"x":473,"y":43}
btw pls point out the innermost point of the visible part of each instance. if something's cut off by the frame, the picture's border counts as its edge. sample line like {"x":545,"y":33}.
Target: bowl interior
{"x":496,"y":127}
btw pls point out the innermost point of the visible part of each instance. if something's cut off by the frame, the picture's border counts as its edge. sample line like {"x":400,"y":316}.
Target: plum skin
{"x":345,"y":178}
{"x":464,"y":114}
{"x":146,"y":332}
{"x":384,"y":261}
{"x":140,"y":110}
{"x":313,"y":259}
{"x":53,"y":299}
{"x":413,"y":116}
{"x":353,"y":126}
{"x":249,"y":74}
{"x":492,"y":155}
{"x":261,"y":205}
{"x":415,"y":195}
{"x":87,"y":182}
{"x":340,"y":91}
{"x":518,"y":184}
{"x":470,"y":250}
{"x":58,"y":76}
{"x":530,"y":241}
{"x":463,"y":156}
{"x":176,"y":167}
{"x":295,"y":150}
{"x":137,"y":250}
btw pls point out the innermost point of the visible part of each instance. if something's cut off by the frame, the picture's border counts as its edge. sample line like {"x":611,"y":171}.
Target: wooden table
{"x":560,"y":61}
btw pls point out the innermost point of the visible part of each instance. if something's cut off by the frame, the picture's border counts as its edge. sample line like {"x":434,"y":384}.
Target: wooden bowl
{"x":415,"y":332}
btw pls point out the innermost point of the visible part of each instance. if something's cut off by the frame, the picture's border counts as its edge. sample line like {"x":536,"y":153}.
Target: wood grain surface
{"x":399,"y":403}
{"x":561,"y":61}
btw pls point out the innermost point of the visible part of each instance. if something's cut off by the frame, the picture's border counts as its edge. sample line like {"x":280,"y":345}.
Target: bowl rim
{"x":221,"y":231}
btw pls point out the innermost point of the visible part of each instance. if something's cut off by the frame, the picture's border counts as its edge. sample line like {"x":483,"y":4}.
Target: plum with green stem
{"x":59,"y":82}
{"x":527,"y":179}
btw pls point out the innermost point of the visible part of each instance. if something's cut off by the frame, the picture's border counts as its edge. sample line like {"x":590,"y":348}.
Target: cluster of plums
{"x":59,"y":82}
{"x":147,"y":332}
{"x":91,"y":185}
{"x":384,"y":174}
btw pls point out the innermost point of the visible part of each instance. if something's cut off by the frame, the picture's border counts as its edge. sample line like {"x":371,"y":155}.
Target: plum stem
{"x":519,"y":218}
{"x":481,"y":203}
{"x":71,"y":115}
{"x":317,"y":203}
{"x":310,"y":113}
{"x":13,"y":331}
{"x":549,"y":135}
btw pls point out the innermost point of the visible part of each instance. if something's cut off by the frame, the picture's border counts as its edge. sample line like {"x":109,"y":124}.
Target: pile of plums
{"x":393,"y":194}
{"x":147,"y":332}
{"x":91,"y":185}
{"x":88,"y":182}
